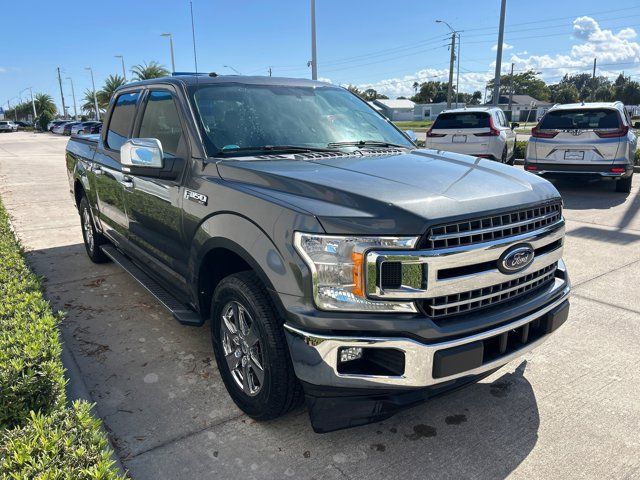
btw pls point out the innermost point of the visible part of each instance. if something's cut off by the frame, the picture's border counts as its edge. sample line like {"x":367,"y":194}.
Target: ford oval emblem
{"x":516,"y":259}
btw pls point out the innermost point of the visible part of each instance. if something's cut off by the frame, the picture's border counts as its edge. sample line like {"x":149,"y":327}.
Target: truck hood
{"x":395,"y":193}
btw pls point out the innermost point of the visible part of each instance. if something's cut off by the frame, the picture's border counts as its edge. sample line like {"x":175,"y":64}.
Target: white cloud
{"x":324,"y":79}
{"x":3,"y":70}
{"x":505,"y":46}
{"x":591,"y":42}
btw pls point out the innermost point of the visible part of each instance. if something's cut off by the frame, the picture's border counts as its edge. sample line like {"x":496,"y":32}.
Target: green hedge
{"x":39,"y":436}
{"x":520,"y":149}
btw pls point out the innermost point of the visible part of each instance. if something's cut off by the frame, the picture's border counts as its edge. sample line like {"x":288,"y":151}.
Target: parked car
{"x":334,"y":260}
{"x":23,"y":125}
{"x":95,"y":128}
{"x":83,"y":127}
{"x":68,"y":126}
{"x":54,"y":123}
{"x":59,"y":127}
{"x":478,"y":131}
{"x":8,"y":126}
{"x":584,"y":139}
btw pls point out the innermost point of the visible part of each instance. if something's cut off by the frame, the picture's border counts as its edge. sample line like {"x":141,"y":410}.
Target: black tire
{"x":512,"y":158}
{"x":92,"y":238}
{"x":623,"y":185}
{"x":279,"y":390}
{"x":503,"y":157}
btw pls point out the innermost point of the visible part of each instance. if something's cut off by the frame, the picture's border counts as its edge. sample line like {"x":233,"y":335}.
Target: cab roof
{"x":213,"y":79}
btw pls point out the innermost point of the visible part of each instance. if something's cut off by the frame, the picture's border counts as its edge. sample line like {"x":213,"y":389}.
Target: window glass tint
{"x":258,"y":115}
{"x":580,"y":119}
{"x":462,"y":120}
{"x":121,"y":119}
{"x":161,"y":121}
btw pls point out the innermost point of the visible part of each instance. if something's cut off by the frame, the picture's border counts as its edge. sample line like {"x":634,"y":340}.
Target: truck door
{"x":154,"y":203}
{"x":106,"y":172}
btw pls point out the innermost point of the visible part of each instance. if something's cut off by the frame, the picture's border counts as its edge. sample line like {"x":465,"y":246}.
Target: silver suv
{"x":587,"y":139}
{"x":8,"y":126}
{"x":480,"y":131}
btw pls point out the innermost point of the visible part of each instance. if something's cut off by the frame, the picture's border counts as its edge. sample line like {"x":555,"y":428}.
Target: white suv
{"x":594,"y":139}
{"x":8,"y":126}
{"x":479,"y":131}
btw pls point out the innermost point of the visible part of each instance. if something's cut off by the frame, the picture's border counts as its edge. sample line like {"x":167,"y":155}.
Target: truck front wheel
{"x":250,"y":348}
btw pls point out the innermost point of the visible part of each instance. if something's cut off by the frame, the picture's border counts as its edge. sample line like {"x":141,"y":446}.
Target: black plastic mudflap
{"x":333,"y":409}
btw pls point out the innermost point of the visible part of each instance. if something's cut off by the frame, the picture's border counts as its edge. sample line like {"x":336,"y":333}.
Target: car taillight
{"x":493,"y":131}
{"x":619,"y":132}
{"x":531,"y":168}
{"x":537,"y":133}
{"x":431,"y":134}
{"x":617,"y":170}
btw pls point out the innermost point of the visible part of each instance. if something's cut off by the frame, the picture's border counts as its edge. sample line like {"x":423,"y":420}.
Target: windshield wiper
{"x":366,"y":143}
{"x":275,"y":148}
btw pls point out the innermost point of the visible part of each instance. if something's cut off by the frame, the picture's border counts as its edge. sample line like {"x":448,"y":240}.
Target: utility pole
{"x":451,"y":60}
{"x":124,"y":72}
{"x":496,"y":82}
{"x":511,"y":92}
{"x":314,"y":57}
{"x":173,"y":62}
{"x":73,"y":94}
{"x":593,"y":78}
{"x":64,"y":108}
{"x":269,"y":71}
{"x":458,"y":72}
{"x":33,"y":104}
{"x":95,"y":97}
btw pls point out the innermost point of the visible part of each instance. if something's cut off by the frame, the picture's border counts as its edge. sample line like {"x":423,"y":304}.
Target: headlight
{"x":336,"y":264}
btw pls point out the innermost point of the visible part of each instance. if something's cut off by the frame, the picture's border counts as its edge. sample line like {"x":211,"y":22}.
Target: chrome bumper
{"x":315,"y":357}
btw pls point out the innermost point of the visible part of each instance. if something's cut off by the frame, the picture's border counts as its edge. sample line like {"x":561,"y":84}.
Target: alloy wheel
{"x":87,"y":227}
{"x":241,"y":348}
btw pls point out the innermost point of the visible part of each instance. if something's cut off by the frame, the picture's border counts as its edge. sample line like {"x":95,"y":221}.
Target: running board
{"x":181,"y":312}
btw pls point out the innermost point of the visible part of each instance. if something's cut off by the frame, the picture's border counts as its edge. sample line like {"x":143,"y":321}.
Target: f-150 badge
{"x":196,"y":197}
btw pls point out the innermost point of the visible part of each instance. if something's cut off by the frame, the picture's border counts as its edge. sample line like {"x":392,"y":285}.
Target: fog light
{"x":349,"y":354}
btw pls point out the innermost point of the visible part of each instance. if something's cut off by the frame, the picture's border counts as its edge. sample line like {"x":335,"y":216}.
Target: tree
{"x":88,"y":103}
{"x":588,"y":88}
{"x":44,"y":103}
{"x":431,"y":92}
{"x":111,"y":83}
{"x":525,"y":83}
{"x":565,"y":94}
{"x":153,"y":69}
{"x":371,"y":94}
{"x":630,"y":93}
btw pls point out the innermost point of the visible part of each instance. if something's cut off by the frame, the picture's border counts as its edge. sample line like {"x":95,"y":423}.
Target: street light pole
{"x":314,"y":56}
{"x":33,"y":104}
{"x":73,"y":94}
{"x":458,"y":72}
{"x":173,"y":62}
{"x":496,"y":81}
{"x":95,"y":97}
{"x":124,"y":72}
{"x":64,"y":108}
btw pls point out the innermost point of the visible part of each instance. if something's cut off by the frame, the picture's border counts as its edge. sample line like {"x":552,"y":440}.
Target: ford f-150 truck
{"x":335,"y":261}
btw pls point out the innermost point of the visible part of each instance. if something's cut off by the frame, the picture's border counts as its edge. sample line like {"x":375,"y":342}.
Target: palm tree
{"x":44,"y":103}
{"x":87,"y":102}
{"x":153,"y":69}
{"x":111,"y":83}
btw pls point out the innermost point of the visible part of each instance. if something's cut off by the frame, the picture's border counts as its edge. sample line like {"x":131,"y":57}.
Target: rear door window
{"x":580,"y":119}
{"x":121,"y":121}
{"x":462,"y":120}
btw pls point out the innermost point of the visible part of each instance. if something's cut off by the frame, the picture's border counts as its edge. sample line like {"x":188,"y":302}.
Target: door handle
{"x":127,"y":181}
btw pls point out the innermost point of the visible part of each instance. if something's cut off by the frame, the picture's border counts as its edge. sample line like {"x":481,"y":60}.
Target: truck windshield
{"x":462,"y":120}
{"x":580,"y":119}
{"x":243,"y":117}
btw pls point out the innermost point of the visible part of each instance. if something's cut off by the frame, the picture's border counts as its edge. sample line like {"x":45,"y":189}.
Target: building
{"x":523,"y":108}
{"x":429,"y":111}
{"x":396,"y":110}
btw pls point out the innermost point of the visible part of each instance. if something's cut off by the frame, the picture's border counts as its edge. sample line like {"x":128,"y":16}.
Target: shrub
{"x":520,"y":149}
{"x":66,"y":444}
{"x":31,"y":374}
{"x":636,"y":158}
{"x":39,"y":436}
{"x":43,"y":120}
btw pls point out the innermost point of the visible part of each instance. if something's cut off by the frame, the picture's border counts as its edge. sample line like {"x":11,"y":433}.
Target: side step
{"x":181,"y":312}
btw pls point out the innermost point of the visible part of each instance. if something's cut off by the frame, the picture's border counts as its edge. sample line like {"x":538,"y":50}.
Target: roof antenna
{"x":193,"y":35}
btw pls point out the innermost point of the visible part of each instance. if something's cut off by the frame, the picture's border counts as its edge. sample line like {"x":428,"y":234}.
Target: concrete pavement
{"x":569,"y":409}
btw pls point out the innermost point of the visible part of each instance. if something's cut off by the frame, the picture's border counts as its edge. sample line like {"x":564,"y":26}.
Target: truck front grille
{"x":486,"y":229}
{"x":465,"y":302}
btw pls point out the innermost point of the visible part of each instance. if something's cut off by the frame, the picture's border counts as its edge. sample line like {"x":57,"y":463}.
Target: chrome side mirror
{"x":412,"y":135}
{"x":142,"y":152}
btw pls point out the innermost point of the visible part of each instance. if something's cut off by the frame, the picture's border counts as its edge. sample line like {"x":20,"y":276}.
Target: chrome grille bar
{"x":484,"y":229}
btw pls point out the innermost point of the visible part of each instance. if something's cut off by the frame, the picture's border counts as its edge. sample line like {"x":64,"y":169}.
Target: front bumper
{"x":315,"y":356}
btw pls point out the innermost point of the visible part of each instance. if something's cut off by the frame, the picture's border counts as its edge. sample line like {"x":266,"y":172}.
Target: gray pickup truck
{"x":334,"y":260}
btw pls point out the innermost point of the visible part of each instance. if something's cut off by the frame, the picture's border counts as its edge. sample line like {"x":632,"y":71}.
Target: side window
{"x":121,"y":119}
{"x":502,"y":121}
{"x":161,"y":121}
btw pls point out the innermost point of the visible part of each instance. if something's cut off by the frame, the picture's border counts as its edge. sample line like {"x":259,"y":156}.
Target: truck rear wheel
{"x":250,"y":348}
{"x":92,"y":238}
{"x":623,"y":185}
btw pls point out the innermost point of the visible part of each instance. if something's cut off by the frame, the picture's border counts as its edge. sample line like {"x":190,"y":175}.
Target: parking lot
{"x":569,"y":409}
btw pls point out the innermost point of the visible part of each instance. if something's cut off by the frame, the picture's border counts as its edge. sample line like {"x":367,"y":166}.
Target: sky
{"x":386,"y":45}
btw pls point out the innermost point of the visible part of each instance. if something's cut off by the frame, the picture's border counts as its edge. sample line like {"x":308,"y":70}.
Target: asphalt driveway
{"x":570,"y":409}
